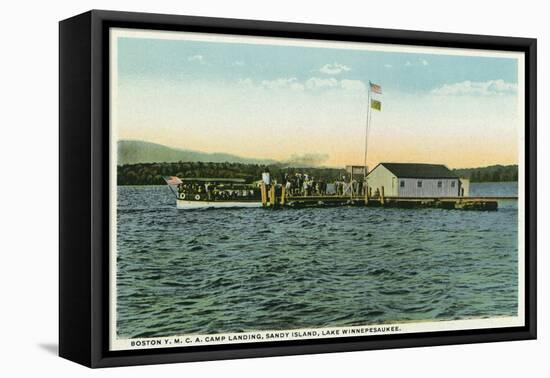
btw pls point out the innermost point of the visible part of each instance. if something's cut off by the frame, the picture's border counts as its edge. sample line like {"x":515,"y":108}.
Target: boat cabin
{"x":216,"y":189}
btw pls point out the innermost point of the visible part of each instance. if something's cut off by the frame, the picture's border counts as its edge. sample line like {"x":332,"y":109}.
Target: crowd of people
{"x":211,"y":192}
{"x":303,"y":184}
{"x":295,"y":184}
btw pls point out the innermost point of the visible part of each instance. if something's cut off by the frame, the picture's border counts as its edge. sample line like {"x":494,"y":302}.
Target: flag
{"x":172,"y":180}
{"x":375,"y":88}
{"x":376,"y":105}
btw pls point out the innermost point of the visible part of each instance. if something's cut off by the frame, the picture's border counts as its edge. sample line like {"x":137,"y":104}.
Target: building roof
{"x":416,"y":170}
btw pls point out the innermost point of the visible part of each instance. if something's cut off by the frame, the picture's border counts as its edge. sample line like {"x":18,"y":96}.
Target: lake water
{"x":218,"y":271}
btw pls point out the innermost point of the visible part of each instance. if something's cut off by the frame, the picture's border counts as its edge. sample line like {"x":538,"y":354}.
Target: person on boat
{"x":208,"y":191}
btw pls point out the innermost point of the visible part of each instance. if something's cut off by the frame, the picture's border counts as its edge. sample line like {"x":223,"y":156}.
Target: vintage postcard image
{"x":272,"y":189}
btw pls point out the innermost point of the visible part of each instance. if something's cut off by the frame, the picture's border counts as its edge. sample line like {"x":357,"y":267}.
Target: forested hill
{"x":137,"y":151}
{"x":151,"y":173}
{"x":493,"y":173}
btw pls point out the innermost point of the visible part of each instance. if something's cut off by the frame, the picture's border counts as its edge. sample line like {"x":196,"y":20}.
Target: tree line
{"x":152,"y":173}
{"x":493,"y":173}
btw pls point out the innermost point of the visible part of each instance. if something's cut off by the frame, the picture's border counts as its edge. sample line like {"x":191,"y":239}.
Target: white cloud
{"x":291,"y":83}
{"x":353,"y":85}
{"x":316,"y":83}
{"x":334,"y":69}
{"x":248,"y":82}
{"x":196,"y":58}
{"x":312,"y":84}
{"x":482,"y":88}
{"x":407,"y":64}
{"x":424,"y":62}
{"x":281,"y":83}
{"x":388,"y":65}
{"x":238,"y":63}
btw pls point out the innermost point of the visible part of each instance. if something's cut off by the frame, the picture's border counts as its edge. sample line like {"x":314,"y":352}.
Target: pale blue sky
{"x":283,"y":100}
{"x":207,"y":61}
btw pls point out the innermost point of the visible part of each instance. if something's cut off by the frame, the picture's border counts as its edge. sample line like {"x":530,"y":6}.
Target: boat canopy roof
{"x":220,"y":180}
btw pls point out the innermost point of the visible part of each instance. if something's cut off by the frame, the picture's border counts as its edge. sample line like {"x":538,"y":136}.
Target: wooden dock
{"x":276,"y":197}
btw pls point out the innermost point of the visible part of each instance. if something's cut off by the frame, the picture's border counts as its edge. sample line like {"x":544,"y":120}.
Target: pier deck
{"x":271,"y":199}
{"x":278,"y":198}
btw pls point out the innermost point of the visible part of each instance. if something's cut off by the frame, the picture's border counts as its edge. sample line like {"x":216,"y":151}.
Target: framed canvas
{"x":234,"y":188}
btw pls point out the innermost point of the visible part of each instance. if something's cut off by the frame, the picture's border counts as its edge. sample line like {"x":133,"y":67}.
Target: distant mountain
{"x":136,"y":151}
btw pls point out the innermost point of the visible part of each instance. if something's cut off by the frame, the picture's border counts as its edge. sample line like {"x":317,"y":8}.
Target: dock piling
{"x":272,"y":199}
{"x":264,"y":194}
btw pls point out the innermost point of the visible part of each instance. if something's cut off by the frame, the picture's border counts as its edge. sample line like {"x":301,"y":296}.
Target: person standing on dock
{"x":288,"y":187}
{"x":323,"y":186}
{"x":266,"y":178}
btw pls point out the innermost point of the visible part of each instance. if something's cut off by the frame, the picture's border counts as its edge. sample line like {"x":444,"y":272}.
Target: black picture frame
{"x":84,"y":211}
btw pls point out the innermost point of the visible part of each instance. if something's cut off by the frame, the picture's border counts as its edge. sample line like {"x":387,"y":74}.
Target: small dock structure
{"x":392,"y":185}
{"x":277,"y":198}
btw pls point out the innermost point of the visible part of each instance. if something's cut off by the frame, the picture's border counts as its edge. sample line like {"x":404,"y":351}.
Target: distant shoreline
{"x":152,"y":173}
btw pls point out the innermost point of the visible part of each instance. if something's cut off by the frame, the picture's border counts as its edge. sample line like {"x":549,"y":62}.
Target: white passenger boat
{"x":202,"y":193}
{"x":183,"y":204}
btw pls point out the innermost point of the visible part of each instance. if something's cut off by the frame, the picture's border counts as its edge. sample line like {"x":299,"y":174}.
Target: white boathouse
{"x":416,"y":180}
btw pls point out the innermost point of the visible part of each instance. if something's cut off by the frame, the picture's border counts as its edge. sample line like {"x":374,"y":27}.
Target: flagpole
{"x":370,"y":101}
{"x":172,"y":189}
{"x":367,"y":121}
{"x":370,"y":126}
{"x":170,"y":186}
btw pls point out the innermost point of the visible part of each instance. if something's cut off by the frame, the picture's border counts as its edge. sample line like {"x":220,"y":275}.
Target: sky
{"x":278,"y":102}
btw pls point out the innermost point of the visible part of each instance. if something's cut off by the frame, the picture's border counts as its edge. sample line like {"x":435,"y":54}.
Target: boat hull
{"x":189,"y":205}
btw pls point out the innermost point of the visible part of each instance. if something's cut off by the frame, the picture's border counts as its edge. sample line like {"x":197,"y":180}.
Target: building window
{"x":453,"y":183}
{"x":402,"y":183}
{"x":419,"y":183}
{"x":440,"y":184}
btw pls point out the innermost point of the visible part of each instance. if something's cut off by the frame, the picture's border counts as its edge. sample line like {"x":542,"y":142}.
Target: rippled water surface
{"x":211,"y":271}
